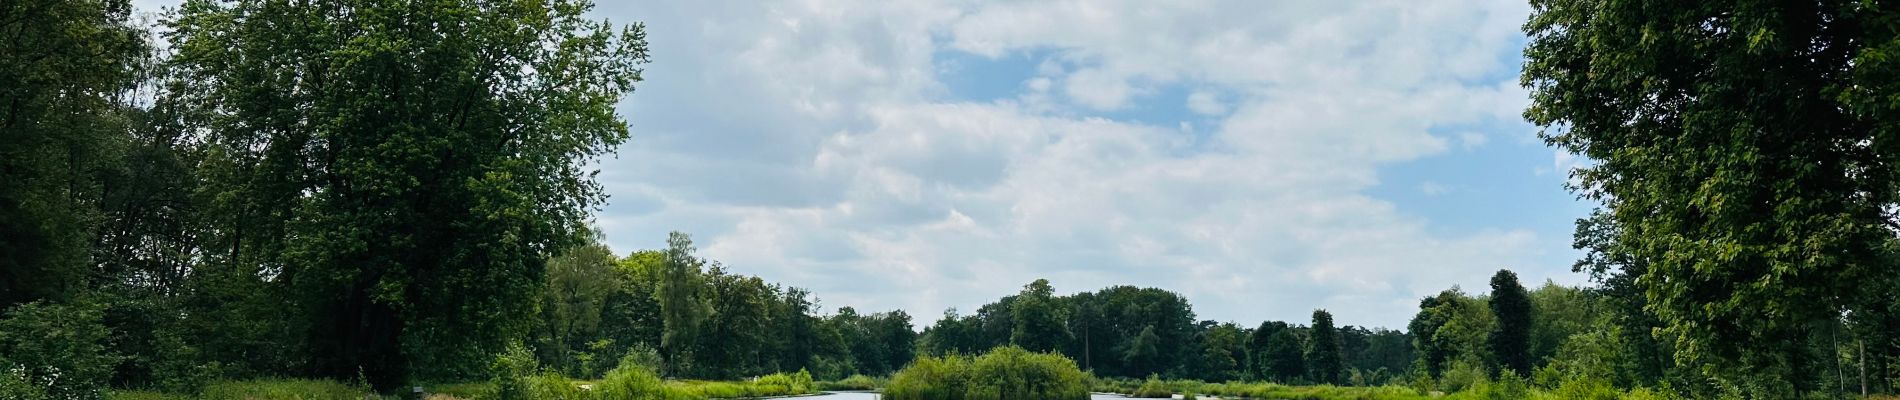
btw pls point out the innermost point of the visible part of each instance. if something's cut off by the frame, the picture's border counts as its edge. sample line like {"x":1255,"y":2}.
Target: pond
{"x":874,"y":396}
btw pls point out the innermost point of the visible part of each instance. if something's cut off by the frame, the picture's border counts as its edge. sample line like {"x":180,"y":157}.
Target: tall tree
{"x":65,"y":71}
{"x":1746,"y":151}
{"x":683,"y":305}
{"x":1143,"y":353}
{"x":1277,"y":353}
{"x":1424,"y":329}
{"x":1328,"y":365}
{"x":1510,"y":338}
{"x":403,"y":168}
{"x":1223,"y":353}
{"x":579,"y":282}
{"x":1040,"y":322}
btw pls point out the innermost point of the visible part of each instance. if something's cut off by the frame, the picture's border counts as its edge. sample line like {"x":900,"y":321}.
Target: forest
{"x":365,"y":196}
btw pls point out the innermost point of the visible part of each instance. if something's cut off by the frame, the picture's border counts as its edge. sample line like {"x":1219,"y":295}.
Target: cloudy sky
{"x":1262,"y":158}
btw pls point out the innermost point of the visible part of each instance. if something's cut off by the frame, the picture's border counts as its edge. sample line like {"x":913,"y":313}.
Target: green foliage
{"x":1744,"y":154}
{"x":1153,"y":388}
{"x":572,"y":305}
{"x":1039,"y":321}
{"x":65,"y":70}
{"x":512,"y":375}
{"x":1328,"y":366}
{"x":1004,"y":373}
{"x":54,"y":351}
{"x":631,"y":381}
{"x":1509,"y":339}
{"x":404,"y":206}
{"x":854,"y":382}
{"x":1277,"y":353}
{"x":682,"y":305}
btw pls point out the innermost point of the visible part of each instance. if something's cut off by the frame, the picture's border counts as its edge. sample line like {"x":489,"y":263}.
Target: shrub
{"x":54,"y":351}
{"x":512,"y":374}
{"x":1152,"y":389}
{"x":1003,"y":373}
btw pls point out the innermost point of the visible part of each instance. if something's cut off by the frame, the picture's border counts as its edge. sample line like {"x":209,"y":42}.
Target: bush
{"x":1152,"y":389}
{"x":1003,"y":373}
{"x":54,"y":351}
{"x":512,"y":375}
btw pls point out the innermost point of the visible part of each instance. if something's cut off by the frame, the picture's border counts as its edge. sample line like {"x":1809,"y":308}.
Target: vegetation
{"x":342,"y":198}
{"x":1744,"y":159}
{"x":1008,"y":372}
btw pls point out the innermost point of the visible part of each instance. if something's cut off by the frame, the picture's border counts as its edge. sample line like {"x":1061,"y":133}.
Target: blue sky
{"x":1262,"y":158}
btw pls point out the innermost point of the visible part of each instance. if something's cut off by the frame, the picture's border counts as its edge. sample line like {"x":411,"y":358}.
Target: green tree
{"x":1277,"y":353}
{"x":1143,"y":353}
{"x":1040,"y":324}
{"x":1223,"y":353}
{"x":1745,"y":151}
{"x":579,"y":282}
{"x":402,"y":169}
{"x":683,"y":305}
{"x":1328,"y":365}
{"x":1509,"y":340}
{"x":65,"y":71}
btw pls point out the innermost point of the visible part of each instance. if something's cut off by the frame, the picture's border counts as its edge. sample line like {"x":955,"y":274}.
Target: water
{"x":873,"y":396}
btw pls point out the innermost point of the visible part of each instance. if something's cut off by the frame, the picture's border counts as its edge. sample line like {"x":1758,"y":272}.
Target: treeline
{"x":699,"y":320}
{"x":1131,"y":332}
{"x":359,"y":190}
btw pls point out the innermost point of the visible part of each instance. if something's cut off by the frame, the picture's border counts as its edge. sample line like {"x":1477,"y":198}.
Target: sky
{"x":1264,"y":159}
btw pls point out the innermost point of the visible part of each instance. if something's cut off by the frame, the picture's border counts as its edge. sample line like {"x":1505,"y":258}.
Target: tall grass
{"x":854,"y":382}
{"x":1003,"y":373}
{"x":283,"y":389}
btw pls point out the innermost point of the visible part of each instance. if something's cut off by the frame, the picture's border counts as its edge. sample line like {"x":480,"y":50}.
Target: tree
{"x":405,"y":185}
{"x":1328,"y":365}
{"x":65,"y":70}
{"x":579,"y":283}
{"x":1745,"y":152}
{"x":1277,"y":353}
{"x":1040,"y":324}
{"x":1510,"y":337}
{"x":1223,"y":353}
{"x":683,"y":306}
{"x":1143,"y":353}
{"x":1424,"y":328}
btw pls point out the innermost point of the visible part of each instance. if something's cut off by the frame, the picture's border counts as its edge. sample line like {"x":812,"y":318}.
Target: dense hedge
{"x":1004,"y":373}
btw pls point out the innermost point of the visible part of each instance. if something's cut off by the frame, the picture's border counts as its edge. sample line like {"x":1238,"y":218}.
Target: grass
{"x":257,"y":389}
{"x":854,"y":382}
{"x":1480,"y":390}
{"x":544,"y":387}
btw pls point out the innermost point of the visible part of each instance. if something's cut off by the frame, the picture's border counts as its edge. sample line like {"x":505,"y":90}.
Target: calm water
{"x":873,"y":396}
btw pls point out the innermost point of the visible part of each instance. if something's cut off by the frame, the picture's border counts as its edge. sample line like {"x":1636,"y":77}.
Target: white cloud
{"x":1206,"y":103}
{"x":879,"y":195}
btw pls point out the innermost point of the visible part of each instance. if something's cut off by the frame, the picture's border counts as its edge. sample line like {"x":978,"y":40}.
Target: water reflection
{"x":874,"y":396}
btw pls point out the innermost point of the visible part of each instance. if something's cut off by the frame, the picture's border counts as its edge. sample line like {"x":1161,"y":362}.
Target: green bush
{"x":1003,"y":373}
{"x":54,"y":351}
{"x":512,"y":375}
{"x":1152,"y":389}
